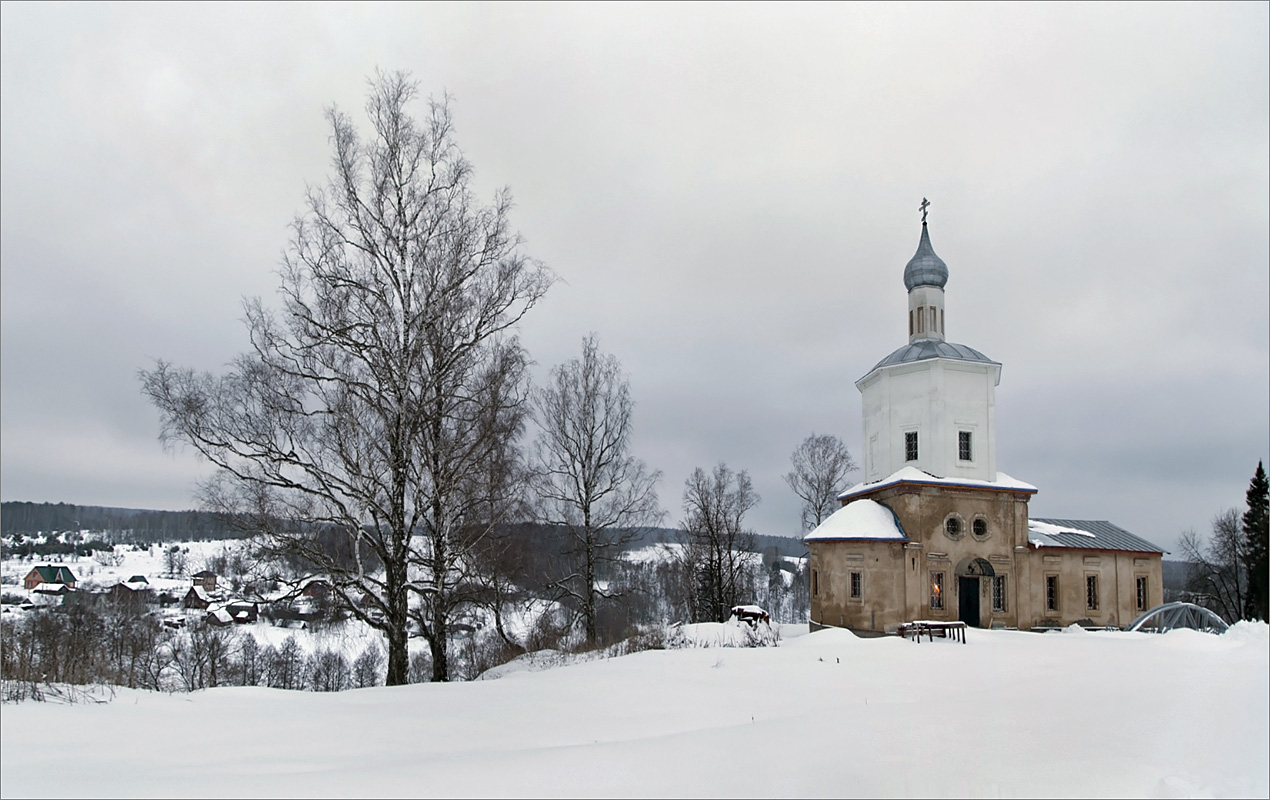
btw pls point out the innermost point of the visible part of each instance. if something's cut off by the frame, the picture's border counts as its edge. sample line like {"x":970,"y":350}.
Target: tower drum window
{"x":965,"y":446}
{"x":910,"y":446}
{"x":933,"y":320}
{"x":910,"y":323}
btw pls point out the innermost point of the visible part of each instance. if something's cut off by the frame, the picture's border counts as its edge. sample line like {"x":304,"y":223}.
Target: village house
{"x":935,"y":532}
{"x":197,"y":598}
{"x":134,"y":592}
{"x":206,"y":579}
{"x":49,"y":573}
{"x":235,"y":612}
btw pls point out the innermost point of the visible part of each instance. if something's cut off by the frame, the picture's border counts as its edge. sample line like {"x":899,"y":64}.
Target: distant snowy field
{"x":825,"y":714}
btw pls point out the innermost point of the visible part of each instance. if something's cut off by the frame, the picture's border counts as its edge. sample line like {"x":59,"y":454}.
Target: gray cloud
{"x":729,"y":194}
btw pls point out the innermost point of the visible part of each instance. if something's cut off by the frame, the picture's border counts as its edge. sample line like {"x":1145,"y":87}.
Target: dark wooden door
{"x":968,"y":600}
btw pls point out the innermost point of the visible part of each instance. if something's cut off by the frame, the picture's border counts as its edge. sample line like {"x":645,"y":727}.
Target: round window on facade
{"x":952,"y":526}
{"x":979,"y":527}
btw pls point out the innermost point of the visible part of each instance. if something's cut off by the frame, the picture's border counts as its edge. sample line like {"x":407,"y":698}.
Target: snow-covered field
{"x":825,"y":714}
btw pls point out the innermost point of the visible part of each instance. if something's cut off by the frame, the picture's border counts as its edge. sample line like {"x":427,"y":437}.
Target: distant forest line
{"x":147,"y":526}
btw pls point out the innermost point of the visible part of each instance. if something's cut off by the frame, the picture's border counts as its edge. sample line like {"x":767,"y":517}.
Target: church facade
{"x":935,"y":531}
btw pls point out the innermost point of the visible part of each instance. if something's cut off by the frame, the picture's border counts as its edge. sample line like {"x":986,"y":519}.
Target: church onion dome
{"x":925,"y":268}
{"x":924,"y":349}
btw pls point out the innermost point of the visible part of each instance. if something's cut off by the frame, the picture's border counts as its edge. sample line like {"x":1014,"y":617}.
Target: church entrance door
{"x":968,"y":600}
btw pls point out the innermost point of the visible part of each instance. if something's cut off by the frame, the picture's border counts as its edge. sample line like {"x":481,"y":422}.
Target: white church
{"x":935,"y":531}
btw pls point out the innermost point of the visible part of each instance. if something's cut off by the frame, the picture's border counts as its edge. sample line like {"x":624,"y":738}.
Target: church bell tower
{"x":931,"y":404}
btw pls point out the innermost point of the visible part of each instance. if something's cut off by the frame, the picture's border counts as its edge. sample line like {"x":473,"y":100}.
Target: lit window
{"x":937,"y":591}
{"x":998,"y":592}
{"x":1091,"y":592}
{"x":1051,"y":593}
{"x":857,"y":585}
{"x":979,"y":527}
{"x":964,"y":450}
{"x":910,"y":446}
{"x":1142,"y":593}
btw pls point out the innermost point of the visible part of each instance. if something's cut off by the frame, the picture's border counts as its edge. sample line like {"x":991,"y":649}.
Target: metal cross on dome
{"x":922,"y":207}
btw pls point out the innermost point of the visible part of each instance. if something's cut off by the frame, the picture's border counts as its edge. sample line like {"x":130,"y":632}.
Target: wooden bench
{"x":930,"y":627}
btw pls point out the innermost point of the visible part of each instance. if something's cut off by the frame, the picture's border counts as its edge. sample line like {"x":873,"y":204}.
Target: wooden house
{"x":49,"y":573}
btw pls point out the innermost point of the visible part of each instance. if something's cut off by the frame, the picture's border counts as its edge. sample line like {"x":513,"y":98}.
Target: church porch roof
{"x":863,"y":520}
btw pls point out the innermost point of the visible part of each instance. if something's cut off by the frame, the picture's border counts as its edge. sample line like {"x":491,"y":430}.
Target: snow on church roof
{"x":915,"y":475}
{"x":863,"y":519}
{"x":1088,"y":534}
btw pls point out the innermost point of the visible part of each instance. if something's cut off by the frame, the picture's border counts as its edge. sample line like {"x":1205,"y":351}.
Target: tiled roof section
{"x":924,"y":349}
{"x":1098,"y":535}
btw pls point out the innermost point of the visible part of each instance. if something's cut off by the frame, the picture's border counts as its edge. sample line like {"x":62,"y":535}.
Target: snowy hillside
{"x":1009,"y":714}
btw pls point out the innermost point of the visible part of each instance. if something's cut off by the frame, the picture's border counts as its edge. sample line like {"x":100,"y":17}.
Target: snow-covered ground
{"x":1071,"y":713}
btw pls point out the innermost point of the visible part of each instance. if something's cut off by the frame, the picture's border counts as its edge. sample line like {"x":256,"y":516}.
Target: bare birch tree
{"x":586,"y":479}
{"x":719,"y":548}
{"x":821,"y":466}
{"x":369,"y":406}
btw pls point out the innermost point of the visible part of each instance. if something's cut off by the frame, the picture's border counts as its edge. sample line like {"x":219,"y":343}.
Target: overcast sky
{"x":729,"y":195}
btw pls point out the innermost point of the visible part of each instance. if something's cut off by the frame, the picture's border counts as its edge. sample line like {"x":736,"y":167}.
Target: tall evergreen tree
{"x":1256,"y":525}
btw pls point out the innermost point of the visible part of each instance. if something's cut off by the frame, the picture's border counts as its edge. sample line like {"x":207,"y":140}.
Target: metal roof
{"x":925,"y":268}
{"x":1106,"y":536}
{"x":924,"y":349}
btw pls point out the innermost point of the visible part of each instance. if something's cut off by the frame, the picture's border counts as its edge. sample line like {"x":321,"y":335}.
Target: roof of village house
{"x":1086,"y":534}
{"x":863,"y":520}
{"x":55,"y":573}
{"x":200,"y":593}
{"x":914,"y":475}
{"x":137,"y":579}
{"x":52,"y":588}
{"x":205,"y":573}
